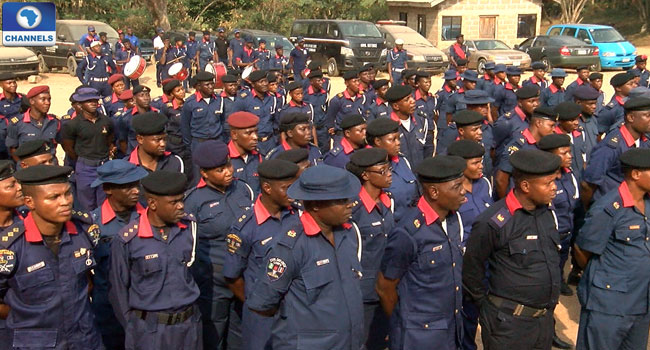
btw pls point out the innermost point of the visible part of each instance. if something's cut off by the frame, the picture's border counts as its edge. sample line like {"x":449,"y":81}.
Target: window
{"x":403,"y":16}
{"x":582,"y":35}
{"x":422,"y":25}
{"x":555,"y":31}
{"x":569,"y":32}
{"x":451,"y":27}
{"x":526,"y":44}
{"x":540,"y":42}
{"x":526,"y":26}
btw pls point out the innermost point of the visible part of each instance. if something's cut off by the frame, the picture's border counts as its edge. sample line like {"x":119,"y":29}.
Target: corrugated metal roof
{"x":419,"y":3}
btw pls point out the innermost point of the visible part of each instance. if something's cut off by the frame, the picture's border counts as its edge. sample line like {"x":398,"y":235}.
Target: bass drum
{"x":134,"y":68}
{"x":247,"y":72}
{"x":178,"y":71}
{"x":219,"y":70}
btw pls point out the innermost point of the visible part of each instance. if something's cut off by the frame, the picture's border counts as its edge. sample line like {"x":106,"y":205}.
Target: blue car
{"x":614,"y":50}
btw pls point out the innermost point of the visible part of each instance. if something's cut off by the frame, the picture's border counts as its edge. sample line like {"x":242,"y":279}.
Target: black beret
{"x":277,"y":169}
{"x":351,"y":74}
{"x":538,"y":65}
{"x":140,"y":88}
{"x":568,"y":110}
{"x":294,"y":85}
{"x":351,"y":120}
{"x":637,"y":104}
{"x":313,"y":65}
{"x":149,"y":123}
{"x":381,"y":126}
{"x":553,"y":141}
{"x":7,"y":169}
{"x":620,"y":79}
{"x":204,"y":76}
{"x":397,"y":92}
{"x":367,"y":67}
{"x":361,"y":159}
{"x":32,"y":148}
{"x":528,"y":91}
{"x":229,"y":79}
{"x":191,"y":33}
{"x":466,"y":149}
{"x":179,"y":38}
{"x":271,"y":77}
{"x":43,"y":174}
{"x":535,"y":162}
{"x":295,"y":156}
{"x":7,"y":76}
{"x":641,"y":58}
{"x":164,"y":183}
{"x":407,"y":73}
{"x":461,"y":61}
{"x":379,"y":83}
{"x":290,"y":120}
{"x":422,"y":74}
{"x":171,"y":85}
{"x":257,"y":75}
{"x":594,"y":76}
{"x":636,"y":158}
{"x":545,"y":113}
{"x":315,"y":74}
{"x":441,"y":168}
{"x":466,"y":117}
{"x":206,"y":32}
{"x":585,"y":93}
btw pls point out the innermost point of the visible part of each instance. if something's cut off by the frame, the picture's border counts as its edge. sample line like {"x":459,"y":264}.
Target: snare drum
{"x":247,"y":71}
{"x":219,"y":70}
{"x":178,"y":71}
{"x":134,"y":68}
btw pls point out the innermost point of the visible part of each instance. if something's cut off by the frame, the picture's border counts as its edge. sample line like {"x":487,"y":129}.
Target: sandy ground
{"x":62,"y":85}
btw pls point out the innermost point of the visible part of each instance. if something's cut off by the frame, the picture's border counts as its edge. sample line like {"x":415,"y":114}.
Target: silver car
{"x":484,"y":50}
{"x":421,"y":53}
{"x":19,"y":60}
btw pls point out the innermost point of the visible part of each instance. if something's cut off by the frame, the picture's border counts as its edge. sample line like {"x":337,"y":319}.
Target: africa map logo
{"x":29,"y":17}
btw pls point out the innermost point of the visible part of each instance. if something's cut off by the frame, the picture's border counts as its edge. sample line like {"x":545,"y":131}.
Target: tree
{"x":643,"y":8}
{"x":571,"y":10}
{"x":159,"y":10}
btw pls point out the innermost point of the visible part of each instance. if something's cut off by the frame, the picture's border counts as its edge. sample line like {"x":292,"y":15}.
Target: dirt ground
{"x":62,"y":85}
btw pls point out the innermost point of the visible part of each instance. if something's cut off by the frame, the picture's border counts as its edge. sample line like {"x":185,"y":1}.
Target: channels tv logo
{"x":28,"y":24}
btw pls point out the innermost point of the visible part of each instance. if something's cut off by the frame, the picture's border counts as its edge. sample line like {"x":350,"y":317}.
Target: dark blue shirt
{"x":425,"y":108}
{"x":404,"y":188}
{"x":192,"y":47}
{"x":541,"y":84}
{"x":318,"y":100}
{"x":378,"y":109}
{"x":86,"y":39}
{"x":568,"y":93}
{"x":236,"y":45}
{"x":292,"y":107}
{"x":523,"y":140}
{"x":415,"y":142}
{"x":246,"y":169}
{"x":643,"y":74}
{"x":397,"y":59}
{"x":125,"y":131}
{"x":93,"y":67}
{"x":278,"y":62}
{"x":589,"y":128}
{"x":23,"y":128}
{"x":611,"y":114}
{"x":315,"y":156}
{"x":505,"y":98}
{"x":200,"y":119}
{"x":565,"y":201}
{"x":340,"y":154}
{"x":300,"y":57}
{"x":506,"y":126}
{"x":479,"y":199}
{"x":341,"y":105}
{"x":9,"y":108}
{"x":263,"y":57}
{"x":551,"y":96}
{"x":264,"y":107}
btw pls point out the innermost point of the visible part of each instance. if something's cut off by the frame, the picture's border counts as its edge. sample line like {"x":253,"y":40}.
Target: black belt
{"x":92,"y":162}
{"x":516,"y":308}
{"x":166,"y":318}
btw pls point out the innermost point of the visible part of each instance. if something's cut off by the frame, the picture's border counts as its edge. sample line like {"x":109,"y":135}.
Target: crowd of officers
{"x":271,"y":215}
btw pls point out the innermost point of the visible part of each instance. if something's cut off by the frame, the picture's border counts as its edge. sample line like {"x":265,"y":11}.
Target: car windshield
{"x":606,"y":35}
{"x":414,"y":39}
{"x":77,"y":30}
{"x":271,"y":41}
{"x":491,"y":45}
{"x":359,"y":29}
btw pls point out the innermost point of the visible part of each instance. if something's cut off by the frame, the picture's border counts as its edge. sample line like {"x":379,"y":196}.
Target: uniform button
{"x":426,"y":326}
{"x":456,"y":311}
{"x":647,"y":238}
{"x":433,"y":261}
{"x":457,"y":288}
{"x":628,"y":239}
{"x":608,"y":286}
{"x":453,"y":264}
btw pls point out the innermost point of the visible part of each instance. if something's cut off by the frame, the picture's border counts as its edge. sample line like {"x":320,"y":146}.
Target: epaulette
{"x":361,"y":92}
{"x":15,"y":120}
{"x":243,"y":219}
{"x":271,"y":152}
{"x":289,"y":238}
{"x":107,"y":99}
{"x":129,"y":231}
{"x":156,"y":99}
{"x":508,"y":115}
{"x":118,"y":113}
{"x":501,"y":217}
{"x":412,"y":226}
{"x":339,"y":95}
{"x":82,"y":216}
{"x":170,"y":104}
{"x":613,"y":142}
{"x":336,"y":150}
{"x":188,"y":217}
{"x":243,"y":94}
{"x":9,"y":235}
{"x":65,"y":117}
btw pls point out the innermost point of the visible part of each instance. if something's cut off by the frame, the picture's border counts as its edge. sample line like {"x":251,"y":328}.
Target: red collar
{"x":108,"y":213}
{"x":309,"y":224}
{"x":347,"y":95}
{"x":347,"y":146}
{"x":261,"y":213}
{"x":512,"y":203}
{"x":619,"y":99}
{"x":114,"y":98}
{"x":135,"y":159}
{"x":486,"y":77}
{"x":396,"y":50}
{"x":370,"y":203}
{"x":164,"y":98}
{"x":28,"y":119}
{"x":528,"y":136}
{"x":394,"y":159}
{"x":199,"y":97}
{"x":520,"y":113}
{"x":447,"y":88}
{"x":310,"y":90}
{"x":73,"y":115}
{"x":627,"y":137}
{"x":144,"y":227}
{"x":32,"y":233}
{"x":285,"y":145}
{"x":510,"y":87}
{"x":293,"y":104}
{"x":574,"y":133}
{"x":554,"y":88}
{"x":396,"y":118}
{"x":204,"y":41}
{"x":626,"y":196}
{"x":418,"y":95}
{"x":175,"y":104}
{"x":497,"y":81}
{"x":201,"y":183}
{"x":579,"y":81}
{"x":430,"y":215}
{"x":379,"y":101}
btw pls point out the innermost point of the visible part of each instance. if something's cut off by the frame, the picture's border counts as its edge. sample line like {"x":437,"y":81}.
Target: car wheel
{"x":72,"y":66}
{"x":547,"y":63}
{"x":480,"y":66}
{"x":42,"y":66}
{"x":332,"y":67}
{"x":595,"y":67}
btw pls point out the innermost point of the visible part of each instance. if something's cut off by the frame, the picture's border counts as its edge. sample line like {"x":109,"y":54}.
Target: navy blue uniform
{"x":551,"y":96}
{"x":124,"y":55}
{"x":504,"y":97}
{"x":174,"y":55}
{"x":415,"y":141}
{"x":250,"y":238}
{"x":542,"y":84}
{"x":22,"y":129}
{"x":47,"y":293}
{"x":245,"y":56}
{"x":404,"y":188}
{"x":341,"y":105}
{"x":578,"y":150}
{"x":263,"y":57}
{"x":292,"y":107}
{"x":236,"y":45}
{"x":174,"y":134}
{"x":191,"y":47}
{"x":87,"y":39}
{"x":315,"y":156}
{"x":507,"y":126}
{"x":340,"y":154}
{"x":397,"y":59}
{"x":426,"y":255}
{"x":265,"y":107}
{"x":564,"y":203}
{"x":215,"y":212}
{"x":112,"y":105}
{"x":613,"y":290}
{"x":426,"y":108}
{"x":443,"y":95}
{"x":278,"y":62}
{"x":9,"y":108}
{"x":523,"y":140}
{"x":453,"y":104}
{"x":245,"y":166}
{"x":152,"y":291}
{"x":604,"y":168}
{"x":643,"y":74}
{"x":450,"y":135}
{"x":94,"y":71}
{"x":315,"y":285}
{"x":300,"y":57}
{"x":589,"y":128}
{"x":318,"y":100}
{"x":611,"y":114}
{"x":201,"y":120}
{"x":568,"y":94}
{"x":168,"y":161}
{"x":378,"y":109}
{"x":206,"y":53}
{"x":125,"y":131}
{"x":458,"y":51}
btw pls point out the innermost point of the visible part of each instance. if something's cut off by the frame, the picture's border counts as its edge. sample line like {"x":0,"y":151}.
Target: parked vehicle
{"x":420,"y":52}
{"x":614,"y":50}
{"x":65,"y":53}
{"x":484,"y":50}
{"x":561,"y":51}
{"x":271,"y":39}
{"x":339,"y":45}
{"x":146,"y":49}
{"x":19,"y":60}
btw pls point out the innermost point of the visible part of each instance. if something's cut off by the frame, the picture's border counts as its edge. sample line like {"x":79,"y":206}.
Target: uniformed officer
{"x":172,"y":110}
{"x":87,"y":39}
{"x":453,"y":103}
{"x":458,"y":51}
{"x":247,"y":55}
{"x":296,"y":103}
{"x":554,"y":94}
{"x":279,"y":61}
{"x":298,"y":59}
{"x":202,"y":116}
{"x":612,"y":246}
{"x":235,"y":45}
{"x":640,"y":68}
{"x":603,"y":172}
{"x":316,"y":95}
{"x":582,"y":79}
{"x":499,"y":79}
{"x":568,"y":124}
{"x":88,"y":140}
{"x":105,"y":45}
{"x":509,"y":123}
{"x":613,"y":112}
{"x":297,"y":131}
{"x":419,"y":283}
{"x":425,"y":102}
{"x":365,"y":84}
{"x":596,"y":82}
{"x":242,"y":148}
{"x":542,"y":123}
{"x":514,"y":245}
{"x":151,"y":137}
{"x":10,"y":100}
{"x":45,"y":266}
{"x":94,"y":69}
{"x":379,"y":107}
{"x":408,"y":78}
{"x":299,"y":156}
{"x":191,"y":48}
{"x":125,"y":131}
{"x":353,"y":138}
{"x":504,"y":95}
{"x":415,"y":139}
{"x":229,"y":93}
{"x":262,"y":55}
{"x":487,"y":80}
{"x":479,"y":197}
{"x":447,"y":89}
{"x":384,"y":133}
{"x":135,"y":42}
{"x":250,"y":238}
{"x":396,"y":62}
{"x":346,"y":102}
{"x":587,"y":98}
{"x":216,"y":202}
{"x":264,"y":105}
{"x":35,"y":123}
{"x":312,"y":271}
{"x":152,"y":291}
{"x":161,"y":44}
{"x":34,"y":152}
{"x":112,"y":103}
{"x":470,"y":125}
{"x":539,"y":76}
{"x":222,"y":47}
{"x":206,"y":52}
{"x":120,"y":181}
{"x":172,"y":55}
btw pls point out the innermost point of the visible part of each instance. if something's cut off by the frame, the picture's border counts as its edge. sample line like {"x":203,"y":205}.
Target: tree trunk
{"x":159,"y":11}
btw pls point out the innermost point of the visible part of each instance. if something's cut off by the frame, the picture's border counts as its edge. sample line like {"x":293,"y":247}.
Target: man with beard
{"x":354,"y":138}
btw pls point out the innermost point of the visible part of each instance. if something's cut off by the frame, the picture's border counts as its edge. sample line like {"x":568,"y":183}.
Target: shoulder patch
{"x":7,"y":261}
{"x":243,"y":219}
{"x":512,"y":149}
{"x":65,"y":117}
{"x":233,"y":242}
{"x":14,"y":120}
{"x":82,"y":216}
{"x":243,"y":94}
{"x":612,"y":208}
{"x":10,"y":234}
{"x":339,"y":95}
{"x":107,"y":99}
{"x":169,"y":104}
{"x":336,"y":150}
{"x":613,"y":142}
{"x":508,"y":114}
{"x":94,"y":233}
{"x":129,"y":231}
{"x":501,"y":217}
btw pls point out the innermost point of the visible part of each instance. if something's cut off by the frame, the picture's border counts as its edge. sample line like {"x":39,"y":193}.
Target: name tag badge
{"x":151,"y":256}
{"x":256,"y":108}
{"x":635,"y":227}
{"x":376,"y":223}
{"x":436,"y":248}
{"x":530,"y":237}
{"x":263,"y":242}
{"x":322,"y":262}
{"x":36,"y":266}
{"x":199,"y":110}
{"x":214,"y":204}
